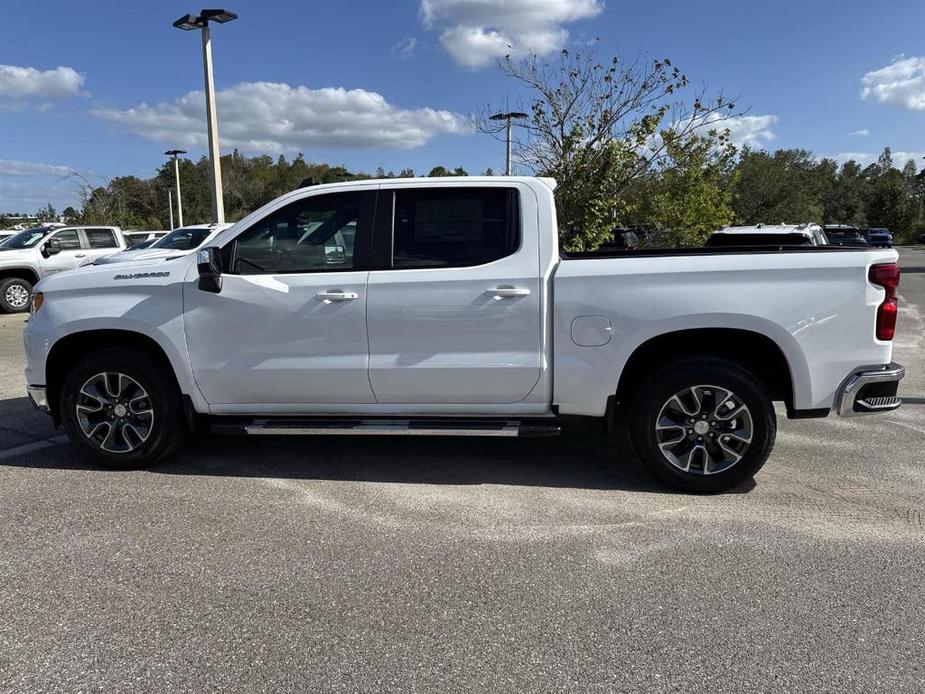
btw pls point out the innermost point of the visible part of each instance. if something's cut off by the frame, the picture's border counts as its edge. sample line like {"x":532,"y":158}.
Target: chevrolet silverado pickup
{"x":39,"y":252}
{"x":445,"y":307}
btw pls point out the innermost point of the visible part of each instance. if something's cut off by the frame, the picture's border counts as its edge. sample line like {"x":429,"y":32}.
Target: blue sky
{"x":104,"y":91}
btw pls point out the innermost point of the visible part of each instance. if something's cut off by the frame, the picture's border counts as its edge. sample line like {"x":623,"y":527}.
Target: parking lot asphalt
{"x":412,"y":565}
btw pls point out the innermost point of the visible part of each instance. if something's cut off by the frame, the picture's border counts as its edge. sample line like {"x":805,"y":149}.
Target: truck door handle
{"x":505,"y":292}
{"x":336,"y":296}
{"x":80,"y":255}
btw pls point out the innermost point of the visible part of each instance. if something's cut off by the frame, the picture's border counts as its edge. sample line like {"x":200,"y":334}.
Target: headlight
{"x":37,"y":300}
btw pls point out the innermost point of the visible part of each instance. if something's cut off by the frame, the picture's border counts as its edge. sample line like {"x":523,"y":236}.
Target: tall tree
{"x":598,"y":127}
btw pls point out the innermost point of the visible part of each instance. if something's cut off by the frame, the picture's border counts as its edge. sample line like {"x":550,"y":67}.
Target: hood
{"x":12,"y":255}
{"x":140,"y":255}
{"x":115,"y":276}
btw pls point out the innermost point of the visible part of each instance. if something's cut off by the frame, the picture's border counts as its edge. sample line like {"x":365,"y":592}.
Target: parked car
{"x":844,"y":235}
{"x":880,"y":237}
{"x":921,"y":238}
{"x":768,"y":235}
{"x":134,"y":238}
{"x":39,"y":252}
{"x":177,"y":242}
{"x":454,"y":313}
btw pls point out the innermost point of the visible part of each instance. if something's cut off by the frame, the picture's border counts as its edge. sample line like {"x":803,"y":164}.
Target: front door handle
{"x":506,"y":292}
{"x":337,"y":296}
{"x":80,"y":255}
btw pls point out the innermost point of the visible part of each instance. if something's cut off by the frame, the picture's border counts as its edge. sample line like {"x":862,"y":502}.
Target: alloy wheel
{"x":704,"y":429}
{"x":17,"y":296}
{"x":115,"y":412}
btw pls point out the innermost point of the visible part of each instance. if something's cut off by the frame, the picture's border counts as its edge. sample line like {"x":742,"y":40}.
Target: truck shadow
{"x":579,"y":459}
{"x":573,"y":461}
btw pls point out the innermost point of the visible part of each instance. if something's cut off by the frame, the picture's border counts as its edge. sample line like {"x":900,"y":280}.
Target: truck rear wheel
{"x":702,"y":425}
{"x":15,"y":293}
{"x":120,"y":409}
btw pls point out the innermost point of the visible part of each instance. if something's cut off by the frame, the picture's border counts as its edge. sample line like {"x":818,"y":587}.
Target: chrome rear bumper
{"x":870,"y":391}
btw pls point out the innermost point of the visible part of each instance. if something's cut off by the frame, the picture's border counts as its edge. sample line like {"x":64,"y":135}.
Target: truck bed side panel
{"x":817,"y":307}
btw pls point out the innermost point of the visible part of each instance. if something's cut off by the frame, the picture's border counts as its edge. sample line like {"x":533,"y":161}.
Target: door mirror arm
{"x":209,"y":264}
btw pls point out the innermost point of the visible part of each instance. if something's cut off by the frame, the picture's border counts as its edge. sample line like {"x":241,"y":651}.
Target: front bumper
{"x":39,"y":398}
{"x":870,"y":390}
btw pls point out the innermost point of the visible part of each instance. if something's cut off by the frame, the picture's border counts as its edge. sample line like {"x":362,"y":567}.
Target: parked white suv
{"x":445,"y":307}
{"x":177,"y":242}
{"x":33,"y":254}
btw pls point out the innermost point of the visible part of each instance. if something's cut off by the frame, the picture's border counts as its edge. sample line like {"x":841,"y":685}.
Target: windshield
{"x":28,"y":238}
{"x":183,"y":239}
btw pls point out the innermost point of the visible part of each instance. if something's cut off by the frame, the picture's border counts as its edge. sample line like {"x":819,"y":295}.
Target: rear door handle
{"x":337,"y":296}
{"x":505,"y":292}
{"x":80,"y":255}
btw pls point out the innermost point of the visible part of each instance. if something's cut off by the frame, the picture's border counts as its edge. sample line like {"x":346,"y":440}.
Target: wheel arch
{"x":753,"y":351}
{"x":23,"y":273}
{"x":62,"y":353}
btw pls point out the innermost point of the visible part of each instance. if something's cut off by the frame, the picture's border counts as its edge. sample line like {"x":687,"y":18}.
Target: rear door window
{"x":454,"y":227}
{"x":101,"y":238}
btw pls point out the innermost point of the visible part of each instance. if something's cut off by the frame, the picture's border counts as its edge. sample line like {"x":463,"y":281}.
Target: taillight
{"x":886,"y":275}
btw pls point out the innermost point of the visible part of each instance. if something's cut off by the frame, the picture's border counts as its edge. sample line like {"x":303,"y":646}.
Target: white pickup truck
{"x":35,"y":253}
{"x":444,"y":307}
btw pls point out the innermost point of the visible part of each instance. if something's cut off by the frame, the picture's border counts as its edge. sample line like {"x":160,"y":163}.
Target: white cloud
{"x":404,"y":49}
{"x":12,"y":167}
{"x":754,"y":131}
{"x":273,"y":117}
{"x":23,"y":82}
{"x":862,"y":132}
{"x":901,"y":83}
{"x":477,"y":32}
{"x":25,"y":186}
{"x":864,"y":158}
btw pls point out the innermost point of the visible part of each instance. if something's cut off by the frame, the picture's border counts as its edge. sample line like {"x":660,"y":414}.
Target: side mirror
{"x":51,"y":247}
{"x":209,"y":264}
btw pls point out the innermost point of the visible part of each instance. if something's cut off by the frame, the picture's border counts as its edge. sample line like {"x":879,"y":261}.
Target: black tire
{"x":10,"y":289}
{"x":675,"y":378}
{"x":166,"y":430}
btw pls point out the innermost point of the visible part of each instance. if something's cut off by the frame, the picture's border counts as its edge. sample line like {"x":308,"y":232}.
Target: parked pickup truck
{"x":36,"y":253}
{"x":445,"y":307}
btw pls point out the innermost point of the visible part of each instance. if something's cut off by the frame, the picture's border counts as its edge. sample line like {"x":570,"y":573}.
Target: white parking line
{"x":26,"y":448}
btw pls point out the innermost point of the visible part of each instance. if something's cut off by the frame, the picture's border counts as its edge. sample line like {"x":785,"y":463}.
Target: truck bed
{"x":814,"y":302}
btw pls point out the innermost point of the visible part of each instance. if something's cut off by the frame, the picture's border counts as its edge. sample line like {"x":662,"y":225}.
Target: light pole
{"x":170,"y":206}
{"x":510,"y":116}
{"x":175,"y":153}
{"x":189,"y":22}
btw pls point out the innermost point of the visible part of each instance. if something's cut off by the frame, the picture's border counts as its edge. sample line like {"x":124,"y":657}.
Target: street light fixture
{"x":176,"y":172}
{"x":189,"y":22}
{"x":510,"y":116}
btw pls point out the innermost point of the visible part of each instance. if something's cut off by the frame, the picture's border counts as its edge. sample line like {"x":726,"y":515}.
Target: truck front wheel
{"x":120,"y":409}
{"x":702,"y":425}
{"x":15,"y":293}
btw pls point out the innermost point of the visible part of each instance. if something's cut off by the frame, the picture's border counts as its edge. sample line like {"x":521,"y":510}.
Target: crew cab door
{"x":288,"y":327}
{"x":72,"y":254}
{"x":456,"y":317}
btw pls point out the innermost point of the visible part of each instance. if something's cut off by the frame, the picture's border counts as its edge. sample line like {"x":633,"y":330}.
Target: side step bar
{"x":391,"y":427}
